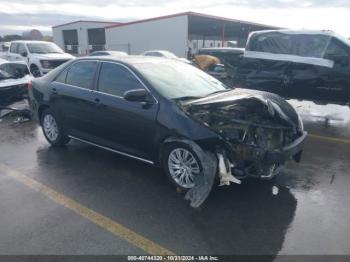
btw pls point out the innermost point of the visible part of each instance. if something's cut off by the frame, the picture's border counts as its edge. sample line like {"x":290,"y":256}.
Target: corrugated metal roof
{"x":190,"y":14}
{"x":87,"y":21}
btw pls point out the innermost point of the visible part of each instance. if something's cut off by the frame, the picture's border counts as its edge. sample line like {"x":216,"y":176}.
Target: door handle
{"x":54,"y":91}
{"x":98,"y":103}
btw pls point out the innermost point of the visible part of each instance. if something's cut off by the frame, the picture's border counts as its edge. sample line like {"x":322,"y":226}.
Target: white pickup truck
{"x":40,"y":56}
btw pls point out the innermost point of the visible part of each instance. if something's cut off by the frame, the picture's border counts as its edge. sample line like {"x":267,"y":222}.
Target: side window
{"x":275,"y":43}
{"x":21,"y":49}
{"x":82,"y":74}
{"x":311,"y":45}
{"x":13,"y":48}
{"x":61,"y":78}
{"x":336,"y":48}
{"x":115,"y":80}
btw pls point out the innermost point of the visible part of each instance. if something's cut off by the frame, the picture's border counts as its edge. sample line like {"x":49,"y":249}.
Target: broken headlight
{"x":45,"y":64}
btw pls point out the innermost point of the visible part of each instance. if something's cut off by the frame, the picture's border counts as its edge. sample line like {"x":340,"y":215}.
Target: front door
{"x":126,"y":126}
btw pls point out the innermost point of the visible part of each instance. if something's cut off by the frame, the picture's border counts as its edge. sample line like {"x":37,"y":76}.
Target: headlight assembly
{"x":45,"y":63}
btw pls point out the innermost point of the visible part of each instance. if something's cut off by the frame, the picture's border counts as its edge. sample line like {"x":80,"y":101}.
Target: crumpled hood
{"x":244,"y":106}
{"x":15,"y":82}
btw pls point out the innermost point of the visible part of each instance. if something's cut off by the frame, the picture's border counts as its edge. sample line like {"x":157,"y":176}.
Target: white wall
{"x":81,"y":28}
{"x":164,"y":34}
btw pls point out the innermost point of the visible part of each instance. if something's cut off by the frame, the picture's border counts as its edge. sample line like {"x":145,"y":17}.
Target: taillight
{"x":30,"y":85}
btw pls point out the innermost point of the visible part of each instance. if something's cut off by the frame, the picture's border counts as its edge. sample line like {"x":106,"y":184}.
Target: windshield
{"x":44,"y":48}
{"x":176,"y":80}
{"x":168,"y":54}
{"x":13,"y":71}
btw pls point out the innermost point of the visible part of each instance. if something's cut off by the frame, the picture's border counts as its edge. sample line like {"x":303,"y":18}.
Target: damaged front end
{"x":258,"y":132}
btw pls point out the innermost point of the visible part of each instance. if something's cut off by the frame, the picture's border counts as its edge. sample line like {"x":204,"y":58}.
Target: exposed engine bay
{"x":255,"y":128}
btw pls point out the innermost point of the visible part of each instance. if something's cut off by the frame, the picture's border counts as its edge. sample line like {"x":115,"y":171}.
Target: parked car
{"x":229,"y":58}
{"x":311,"y":65}
{"x":169,"y":114}
{"x":14,"y":80}
{"x":4,"y":46}
{"x":40,"y":56}
{"x":165,"y":54}
{"x":106,"y":52}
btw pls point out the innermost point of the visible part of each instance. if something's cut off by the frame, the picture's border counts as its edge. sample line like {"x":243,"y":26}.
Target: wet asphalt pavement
{"x":308,"y":213}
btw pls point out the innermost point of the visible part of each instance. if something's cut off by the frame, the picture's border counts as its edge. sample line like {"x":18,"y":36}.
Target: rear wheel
{"x":51,"y":129}
{"x":181,"y":165}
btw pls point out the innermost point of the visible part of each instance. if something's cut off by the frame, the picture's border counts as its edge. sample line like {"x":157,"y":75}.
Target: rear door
{"x":71,"y":98}
{"x":123,"y":125}
{"x":264,"y":74}
{"x":265,"y":64}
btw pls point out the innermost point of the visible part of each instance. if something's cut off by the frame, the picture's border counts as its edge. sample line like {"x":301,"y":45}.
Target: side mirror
{"x":136,"y":95}
{"x":24,"y":54}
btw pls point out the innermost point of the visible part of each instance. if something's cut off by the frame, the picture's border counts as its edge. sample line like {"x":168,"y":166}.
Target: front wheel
{"x":181,"y":165}
{"x":51,"y":129}
{"x":35,"y":71}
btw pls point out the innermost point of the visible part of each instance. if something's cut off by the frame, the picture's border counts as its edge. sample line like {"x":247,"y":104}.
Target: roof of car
{"x":160,"y":51}
{"x":29,"y":41}
{"x":131,"y":59}
{"x":4,"y":61}
{"x":306,"y":32}
{"x":223,"y":49}
{"x":296,"y":32}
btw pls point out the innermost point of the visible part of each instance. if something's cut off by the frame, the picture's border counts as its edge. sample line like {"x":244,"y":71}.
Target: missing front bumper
{"x":293,"y":150}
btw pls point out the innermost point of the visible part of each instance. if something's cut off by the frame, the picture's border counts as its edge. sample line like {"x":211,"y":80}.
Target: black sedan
{"x":170,"y":114}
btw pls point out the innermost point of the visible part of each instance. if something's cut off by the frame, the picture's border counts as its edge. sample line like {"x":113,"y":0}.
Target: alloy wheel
{"x":50,"y":127}
{"x":183,"y":166}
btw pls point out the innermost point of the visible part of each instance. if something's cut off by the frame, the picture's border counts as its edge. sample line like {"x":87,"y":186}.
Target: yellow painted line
{"x":108,"y":224}
{"x":331,"y":139}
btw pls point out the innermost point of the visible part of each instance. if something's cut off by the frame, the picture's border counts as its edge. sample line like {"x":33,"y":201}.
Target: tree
{"x":8,"y":38}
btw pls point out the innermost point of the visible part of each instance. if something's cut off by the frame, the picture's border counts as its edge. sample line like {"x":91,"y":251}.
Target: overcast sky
{"x":19,"y":15}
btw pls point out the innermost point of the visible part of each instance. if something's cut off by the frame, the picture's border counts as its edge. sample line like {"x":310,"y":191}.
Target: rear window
{"x":82,"y":74}
{"x":311,"y":45}
{"x":305,"y":45}
{"x":275,"y":43}
{"x":337,"y":48}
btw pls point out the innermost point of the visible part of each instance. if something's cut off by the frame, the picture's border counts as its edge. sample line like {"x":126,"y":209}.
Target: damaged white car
{"x":14,"y":80}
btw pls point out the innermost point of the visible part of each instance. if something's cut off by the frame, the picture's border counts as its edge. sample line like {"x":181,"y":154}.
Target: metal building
{"x":180,"y":33}
{"x":81,"y":37}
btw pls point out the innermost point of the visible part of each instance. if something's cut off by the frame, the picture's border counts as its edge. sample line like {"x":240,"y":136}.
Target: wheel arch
{"x":33,"y":64}
{"x":199,"y":145}
{"x":41,"y":110}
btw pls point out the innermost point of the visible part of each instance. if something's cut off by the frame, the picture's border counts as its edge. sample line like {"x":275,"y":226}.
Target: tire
{"x":175,"y":170}
{"x":52,"y":130}
{"x":35,"y":71}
